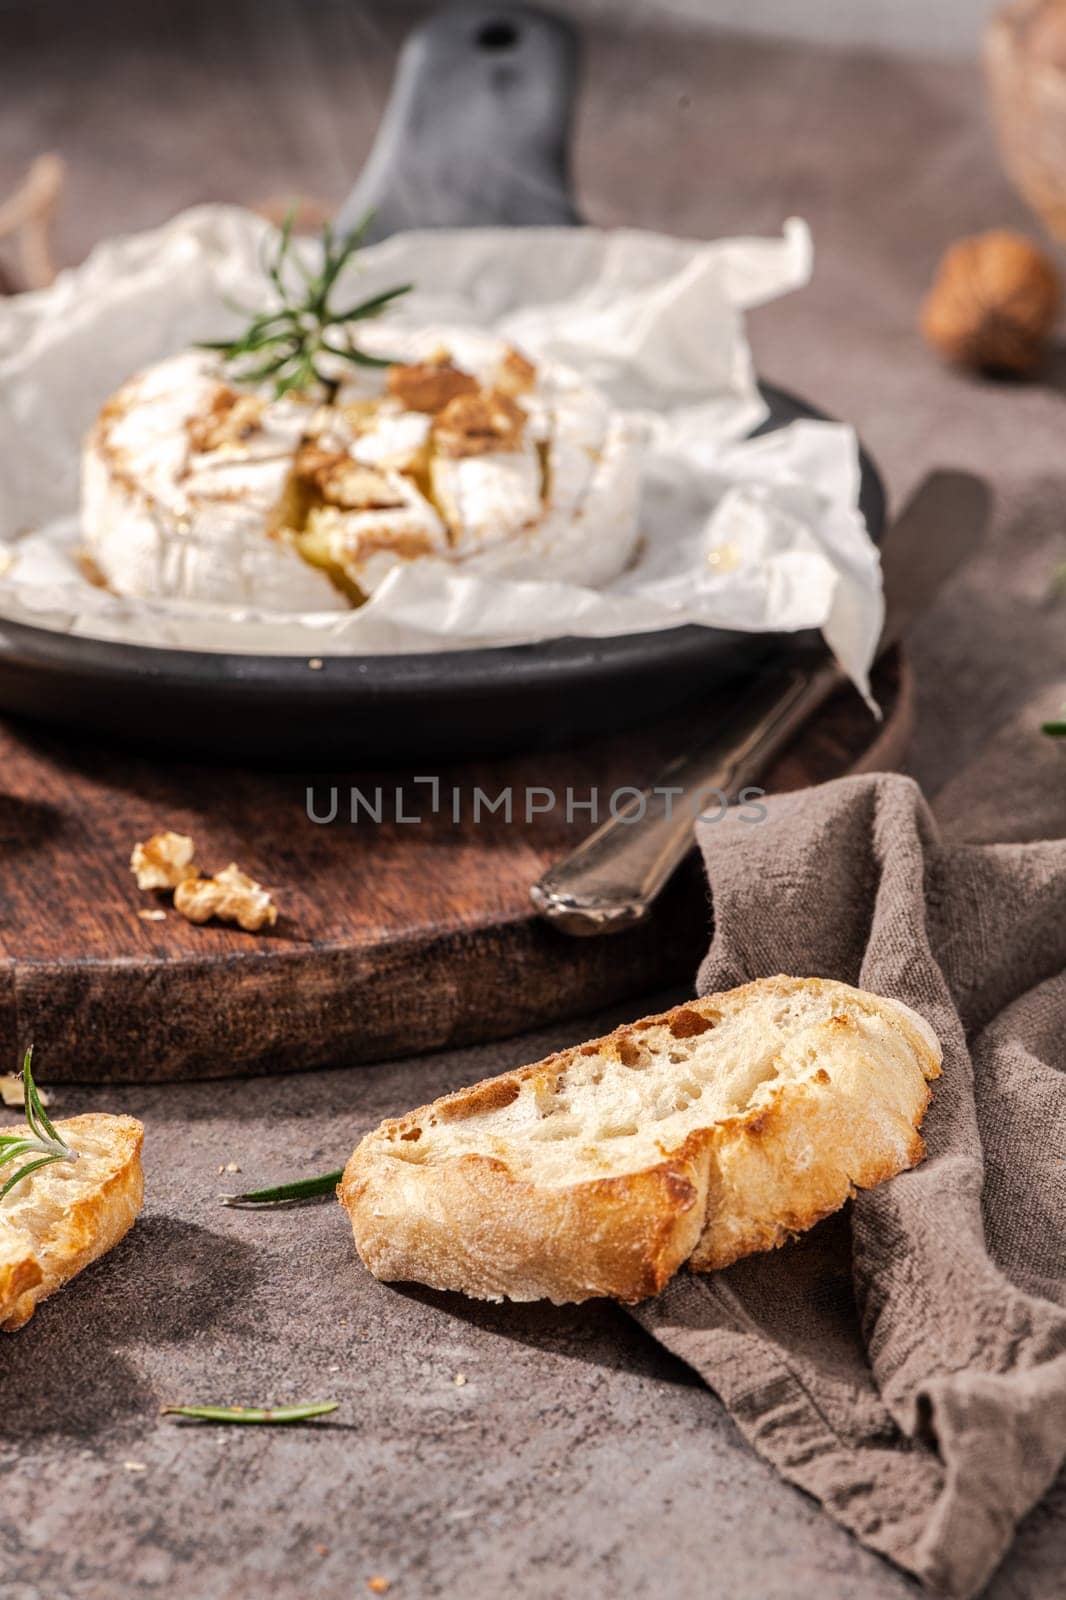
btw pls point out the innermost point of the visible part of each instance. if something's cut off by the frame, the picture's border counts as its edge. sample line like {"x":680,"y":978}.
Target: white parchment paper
{"x":760,"y":534}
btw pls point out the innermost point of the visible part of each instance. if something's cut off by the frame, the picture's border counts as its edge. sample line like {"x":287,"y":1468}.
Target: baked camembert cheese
{"x":200,"y":489}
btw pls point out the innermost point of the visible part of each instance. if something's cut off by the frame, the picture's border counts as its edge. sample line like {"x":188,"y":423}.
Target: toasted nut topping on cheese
{"x":163,"y":861}
{"x":361,"y":489}
{"x":515,"y":374}
{"x":428,"y":385}
{"x":474,"y":424}
{"x":230,"y":896}
{"x":232,"y":419}
{"x":343,"y":482}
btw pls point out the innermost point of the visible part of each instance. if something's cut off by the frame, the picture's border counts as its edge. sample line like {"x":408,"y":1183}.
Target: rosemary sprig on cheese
{"x":286,"y":346}
{"x":43,"y":1142}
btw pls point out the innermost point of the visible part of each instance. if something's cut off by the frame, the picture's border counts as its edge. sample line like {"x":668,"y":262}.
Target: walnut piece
{"x":473,"y":424}
{"x":344,"y":482}
{"x":993,"y":303}
{"x":515,"y":374}
{"x":232,"y":419}
{"x":428,"y":385}
{"x":230,"y":896}
{"x":163,"y":861}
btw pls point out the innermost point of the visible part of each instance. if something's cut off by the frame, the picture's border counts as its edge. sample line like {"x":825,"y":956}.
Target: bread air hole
{"x":556,"y":1127}
{"x":688,"y":1024}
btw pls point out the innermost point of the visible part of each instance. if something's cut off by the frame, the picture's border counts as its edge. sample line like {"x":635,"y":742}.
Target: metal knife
{"x":614,"y":876}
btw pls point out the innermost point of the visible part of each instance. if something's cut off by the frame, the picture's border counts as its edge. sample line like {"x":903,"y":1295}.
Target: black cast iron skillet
{"x":477,"y":132}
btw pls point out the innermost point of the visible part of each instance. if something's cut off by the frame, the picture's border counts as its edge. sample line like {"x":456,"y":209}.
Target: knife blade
{"x":612,"y":879}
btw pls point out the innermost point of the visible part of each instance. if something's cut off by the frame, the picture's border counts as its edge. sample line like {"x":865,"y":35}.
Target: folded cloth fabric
{"x":906,"y":1361}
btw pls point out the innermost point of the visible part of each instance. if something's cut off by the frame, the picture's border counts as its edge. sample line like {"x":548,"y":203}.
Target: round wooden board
{"x":393,"y":938}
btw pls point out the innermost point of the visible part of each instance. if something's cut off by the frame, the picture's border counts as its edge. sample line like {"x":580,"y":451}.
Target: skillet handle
{"x":477,"y":129}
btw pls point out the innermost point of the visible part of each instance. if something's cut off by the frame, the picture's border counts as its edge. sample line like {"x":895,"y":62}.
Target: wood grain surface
{"x":393,"y":937}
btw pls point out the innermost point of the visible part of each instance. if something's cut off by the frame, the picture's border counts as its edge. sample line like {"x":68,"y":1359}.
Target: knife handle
{"x":611,"y":880}
{"x":477,"y":128}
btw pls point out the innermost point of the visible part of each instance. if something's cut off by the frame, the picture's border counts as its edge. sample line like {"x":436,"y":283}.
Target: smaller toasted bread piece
{"x":69,"y":1213}
{"x":722,"y":1127}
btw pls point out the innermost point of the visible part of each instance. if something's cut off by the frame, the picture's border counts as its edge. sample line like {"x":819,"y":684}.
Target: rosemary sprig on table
{"x":43,"y":1142}
{"x":252,"y":1414}
{"x":286,"y":345}
{"x":287,"y":1194}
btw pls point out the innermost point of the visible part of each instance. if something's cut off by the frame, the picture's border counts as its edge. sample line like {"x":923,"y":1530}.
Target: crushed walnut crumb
{"x":163,"y":861}
{"x":515,"y":373}
{"x":230,"y":896}
{"x":428,"y":385}
{"x":345,"y":482}
{"x":474,"y":424}
{"x":89,"y":568}
{"x":231,"y":420}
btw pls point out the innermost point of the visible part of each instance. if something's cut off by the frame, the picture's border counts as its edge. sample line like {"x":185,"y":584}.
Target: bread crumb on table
{"x":378,"y":1585}
{"x":13,"y":1094}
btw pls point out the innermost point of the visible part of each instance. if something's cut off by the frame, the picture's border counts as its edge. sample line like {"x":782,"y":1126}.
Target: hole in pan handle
{"x":477,"y":128}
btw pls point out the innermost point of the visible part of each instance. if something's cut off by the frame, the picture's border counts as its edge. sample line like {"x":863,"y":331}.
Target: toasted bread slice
{"x":722,"y":1127}
{"x":68,"y":1214}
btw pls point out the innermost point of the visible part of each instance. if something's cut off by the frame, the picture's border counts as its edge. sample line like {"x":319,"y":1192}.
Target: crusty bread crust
{"x":745,"y":1181}
{"x":19,"y":1272}
{"x":68,"y":1215}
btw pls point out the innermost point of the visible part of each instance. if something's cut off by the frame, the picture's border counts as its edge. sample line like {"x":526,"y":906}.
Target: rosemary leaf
{"x":360,"y":357}
{"x":36,"y":1115}
{"x":371,"y":307}
{"x":287,"y":1193}
{"x":252,"y":1414}
{"x":268,"y":368}
{"x":13,"y":1148}
{"x":1055,"y":730}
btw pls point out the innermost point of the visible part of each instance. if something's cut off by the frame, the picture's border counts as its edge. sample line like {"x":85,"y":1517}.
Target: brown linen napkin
{"x":906,"y":1361}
